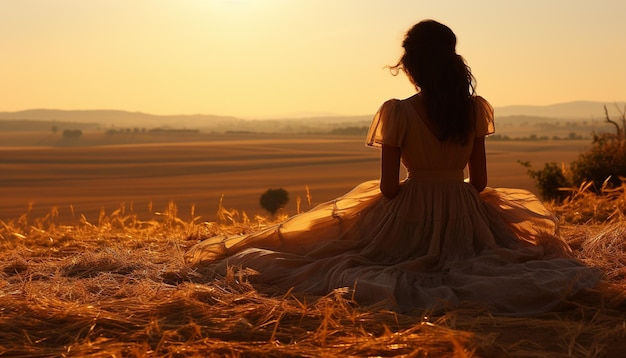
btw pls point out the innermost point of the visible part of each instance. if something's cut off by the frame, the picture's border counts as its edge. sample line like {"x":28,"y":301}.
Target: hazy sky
{"x":268,"y":58}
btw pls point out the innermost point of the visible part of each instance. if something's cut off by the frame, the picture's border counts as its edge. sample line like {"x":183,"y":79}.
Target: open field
{"x":239,"y":167}
{"x":118,"y":285}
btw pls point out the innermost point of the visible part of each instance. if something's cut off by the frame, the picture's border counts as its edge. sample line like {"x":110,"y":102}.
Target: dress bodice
{"x":401,"y":123}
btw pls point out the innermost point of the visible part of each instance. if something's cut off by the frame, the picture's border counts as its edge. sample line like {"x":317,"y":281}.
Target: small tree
{"x":274,"y":199}
{"x":620,"y":131}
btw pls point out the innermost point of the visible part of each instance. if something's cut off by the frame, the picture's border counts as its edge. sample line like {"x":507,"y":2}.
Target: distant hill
{"x":578,"y":111}
{"x":110,"y":119}
{"x":570,"y":110}
{"x":115,"y":118}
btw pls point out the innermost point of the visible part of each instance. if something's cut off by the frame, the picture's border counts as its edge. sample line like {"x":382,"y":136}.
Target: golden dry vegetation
{"x":113,"y":282}
{"x":120,"y":287}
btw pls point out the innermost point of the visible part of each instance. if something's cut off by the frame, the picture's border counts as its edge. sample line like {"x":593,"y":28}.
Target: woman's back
{"x":421,"y":148}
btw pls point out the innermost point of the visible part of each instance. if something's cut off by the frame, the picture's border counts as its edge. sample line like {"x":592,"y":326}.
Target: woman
{"x":431,"y":240}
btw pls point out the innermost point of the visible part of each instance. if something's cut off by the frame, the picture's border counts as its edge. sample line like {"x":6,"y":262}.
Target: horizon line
{"x":321,"y":114}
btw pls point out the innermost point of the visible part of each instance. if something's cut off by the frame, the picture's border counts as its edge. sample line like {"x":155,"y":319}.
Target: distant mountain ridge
{"x":570,"y":110}
{"x":106,"y":119}
{"x":43,"y":119}
{"x":116,"y":118}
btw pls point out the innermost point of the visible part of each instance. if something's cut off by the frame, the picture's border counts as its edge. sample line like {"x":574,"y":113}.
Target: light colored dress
{"x":437,"y":244}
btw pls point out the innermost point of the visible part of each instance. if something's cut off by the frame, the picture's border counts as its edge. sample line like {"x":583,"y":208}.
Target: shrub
{"x":550,"y":181}
{"x":605,"y":161}
{"x":603,"y":165}
{"x":274,"y":199}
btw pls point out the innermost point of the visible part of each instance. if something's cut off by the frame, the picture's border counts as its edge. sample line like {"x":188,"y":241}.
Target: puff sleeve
{"x":484,"y":118}
{"x":388,"y":126}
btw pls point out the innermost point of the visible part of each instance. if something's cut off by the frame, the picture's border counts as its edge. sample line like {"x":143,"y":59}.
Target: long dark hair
{"x":446,"y":82}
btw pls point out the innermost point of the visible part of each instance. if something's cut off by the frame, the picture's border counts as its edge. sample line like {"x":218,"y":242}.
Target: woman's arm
{"x":478,"y":165}
{"x":390,"y":171}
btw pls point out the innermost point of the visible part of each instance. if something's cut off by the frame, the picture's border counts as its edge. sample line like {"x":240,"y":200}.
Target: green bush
{"x":603,"y":165}
{"x":550,"y":181}
{"x":605,"y":161}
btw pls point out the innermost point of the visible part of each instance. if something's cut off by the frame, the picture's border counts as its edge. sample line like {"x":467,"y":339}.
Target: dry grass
{"x":583,"y":206}
{"x":120,"y":287}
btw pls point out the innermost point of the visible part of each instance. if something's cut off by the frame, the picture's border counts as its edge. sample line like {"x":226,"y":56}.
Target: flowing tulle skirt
{"x":432,"y":246}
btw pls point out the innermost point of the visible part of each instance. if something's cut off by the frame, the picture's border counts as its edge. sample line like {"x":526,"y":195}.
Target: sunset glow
{"x":256,"y":59}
